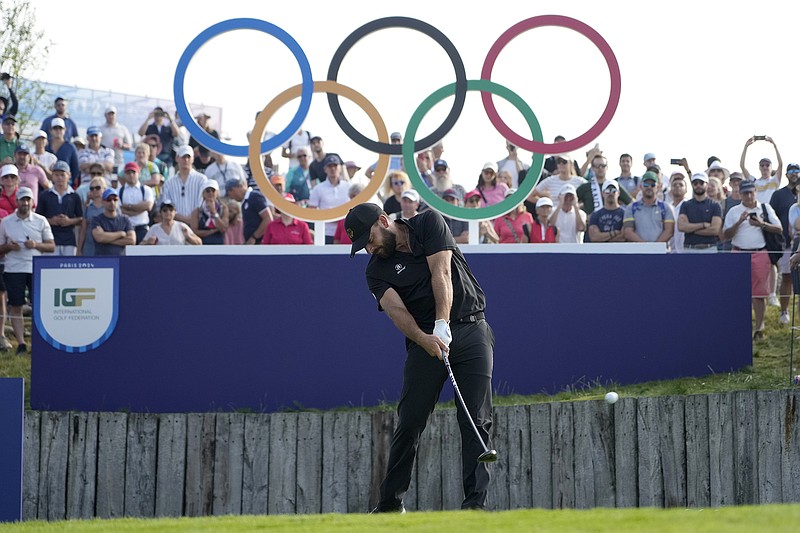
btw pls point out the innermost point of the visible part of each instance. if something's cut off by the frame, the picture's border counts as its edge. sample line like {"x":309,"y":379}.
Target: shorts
{"x":783,"y":262}
{"x":2,"y":281}
{"x":759,"y":274}
{"x":16,"y":283}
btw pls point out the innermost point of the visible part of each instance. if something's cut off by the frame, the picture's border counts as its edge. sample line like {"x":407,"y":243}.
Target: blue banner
{"x":12,"y":424}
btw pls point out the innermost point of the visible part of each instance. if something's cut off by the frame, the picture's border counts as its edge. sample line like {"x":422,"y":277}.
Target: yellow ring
{"x":307,"y":213}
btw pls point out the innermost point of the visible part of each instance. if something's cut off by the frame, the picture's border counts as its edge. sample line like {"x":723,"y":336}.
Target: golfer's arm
{"x":441,"y":282}
{"x":394,"y":307}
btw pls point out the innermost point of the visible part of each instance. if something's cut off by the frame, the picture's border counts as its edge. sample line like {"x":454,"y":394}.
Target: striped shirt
{"x":186,"y":195}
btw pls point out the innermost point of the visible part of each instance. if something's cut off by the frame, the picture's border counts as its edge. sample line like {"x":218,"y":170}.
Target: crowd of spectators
{"x":175,"y":191}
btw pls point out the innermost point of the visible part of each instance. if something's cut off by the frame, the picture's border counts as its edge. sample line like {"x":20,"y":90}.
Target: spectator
{"x":4,"y":344}
{"x":782,"y":201}
{"x":330,"y":193}
{"x":167,"y":133}
{"x":505,"y":177}
{"x":552,"y":185}
{"x":266,"y":165}
{"x":425,"y":167}
{"x":30,"y":176}
{"x":93,"y":208}
{"x":63,"y":210}
{"x":409,"y":204}
{"x":170,"y":231}
{"x":490,"y":190}
{"x":769,"y":181}
{"x":512,"y":165}
{"x":541,"y":231}
{"x":486,"y":232}
{"x":289,"y":148}
{"x":117,"y":136}
{"x":396,"y":183}
{"x":340,"y":236}
{"x":222,"y":170}
{"x":95,"y":171}
{"x":700,"y":218}
{"x":605,"y":224}
{"x":514,"y":226}
{"x":41,"y":157}
{"x":9,"y":141}
{"x":202,"y":159}
{"x":286,"y":229}
{"x":714,"y":190}
{"x":204,"y":121}
{"x":235,"y":234}
{"x":256,"y":214}
{"x":442,"y":180}
{"x":298,"y":179}
{"x":745,"y":226}
{"x":716,"y":170}
{"x":71,"y":129}
{"x":459,"y":228}
{"x":24,"y":235}
{"x":675,"y":198}
{"x":649,"y":160}
{"x":10,"y":186}
{"x":154,"y":142}
{"x":149,"y":173}
{"x":395,"y":161}
{"x":626,"y":179}
{"x":4,"y":107}
{"x":111,"y":230}
{"x":551,"y":163}
{"x":590,"y":193}
{"x":352,"y":168}
{"x":316,"y":169}
{"x":185,"y":188}
{"x":648,"y":219}
{"x":569,"y":219}
{"x":64,"y":151}
{"x":136,"y":200}
{"x":210,"y":219}
{"x":94,"y":152}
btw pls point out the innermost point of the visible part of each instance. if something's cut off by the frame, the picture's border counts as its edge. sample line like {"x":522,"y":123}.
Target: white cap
{"x":509,"y":192}
{"x":411,"y":194}
{"x":544,"y":200}
{"x":57,"y":122}
{"x":184,"y":151}
{"x":40,"y":134}
{"x":648,"y":156}
{"x":700,"y":176}
{"x":492,"y":165}
{"x":9,"y":169}
{"x":568,"y":189}
{"x":610,"y":183}
{"x":111,"y":109}
{"x":211,"y":184}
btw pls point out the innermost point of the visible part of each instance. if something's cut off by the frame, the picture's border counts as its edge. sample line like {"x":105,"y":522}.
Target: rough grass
{"x":772,"y":518}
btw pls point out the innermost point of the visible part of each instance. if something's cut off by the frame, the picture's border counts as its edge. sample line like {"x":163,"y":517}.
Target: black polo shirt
{"x":409,"y":275}
{"x":50,"y":205}
{"x":697,"y":212}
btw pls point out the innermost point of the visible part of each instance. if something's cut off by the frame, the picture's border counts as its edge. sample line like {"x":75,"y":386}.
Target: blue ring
{"x":212,"y":143}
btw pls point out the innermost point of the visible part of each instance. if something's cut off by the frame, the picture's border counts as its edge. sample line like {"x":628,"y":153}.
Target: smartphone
{"x":754,"y":216}
{"x":760,"y":137}
{"x":676,"y":161}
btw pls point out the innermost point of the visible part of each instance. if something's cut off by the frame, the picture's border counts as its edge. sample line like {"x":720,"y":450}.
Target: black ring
{"x":460,"y":95}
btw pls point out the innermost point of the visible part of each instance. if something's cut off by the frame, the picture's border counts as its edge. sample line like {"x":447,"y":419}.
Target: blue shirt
{"x":69,"y":154}
{"x":252,"y":206}
{"x":607,"y":219}
{"x":697,"y":212}
{"x":50,"y":205}
{"x":118,"y":223}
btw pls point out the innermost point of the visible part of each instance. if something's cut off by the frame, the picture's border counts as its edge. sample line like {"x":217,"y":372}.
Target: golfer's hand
{"x":434,"y":346}
{"x":442,"y":330}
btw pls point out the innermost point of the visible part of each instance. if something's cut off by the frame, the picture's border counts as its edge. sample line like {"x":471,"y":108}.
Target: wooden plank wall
{"x":694,"y":451}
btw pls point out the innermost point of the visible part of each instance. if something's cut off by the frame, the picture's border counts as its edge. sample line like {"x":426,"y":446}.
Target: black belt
{"x":142,"y":226}
{"x":748,"y":249}
{"x":471,"y":318}
{"x":703,"y":246}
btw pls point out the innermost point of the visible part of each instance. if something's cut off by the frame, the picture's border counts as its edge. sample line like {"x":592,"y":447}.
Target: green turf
{"x":766,"y":518}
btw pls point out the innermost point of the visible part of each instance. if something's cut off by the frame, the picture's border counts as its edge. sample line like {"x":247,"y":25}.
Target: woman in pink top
{"x":491,"y":191}
{"x":514,"y":226}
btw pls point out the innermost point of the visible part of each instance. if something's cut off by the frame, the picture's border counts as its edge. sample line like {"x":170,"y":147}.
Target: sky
{"x":697,"y":78}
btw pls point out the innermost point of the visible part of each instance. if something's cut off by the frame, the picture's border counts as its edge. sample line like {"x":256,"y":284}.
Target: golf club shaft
{"x":446,"y":360}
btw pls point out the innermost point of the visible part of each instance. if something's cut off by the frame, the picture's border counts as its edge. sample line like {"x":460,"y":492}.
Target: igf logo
{"x":72,"y":297}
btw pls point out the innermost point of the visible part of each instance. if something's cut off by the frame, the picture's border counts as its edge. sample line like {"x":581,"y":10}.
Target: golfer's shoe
{"x":380,"y":509}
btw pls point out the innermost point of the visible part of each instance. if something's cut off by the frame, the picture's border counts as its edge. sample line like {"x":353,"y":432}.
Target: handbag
{"x":774,"y":241}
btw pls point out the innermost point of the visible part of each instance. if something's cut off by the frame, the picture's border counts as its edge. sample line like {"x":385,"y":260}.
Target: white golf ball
{"x":612,"y":397}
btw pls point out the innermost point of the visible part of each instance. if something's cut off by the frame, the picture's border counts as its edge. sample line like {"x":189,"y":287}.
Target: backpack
{"x":774,"y":241}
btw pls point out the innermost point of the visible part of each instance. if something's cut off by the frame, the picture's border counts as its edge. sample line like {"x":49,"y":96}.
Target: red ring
{"x":613,"y":98}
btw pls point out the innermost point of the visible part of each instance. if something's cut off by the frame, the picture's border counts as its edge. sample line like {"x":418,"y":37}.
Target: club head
{"x":489,"y":456}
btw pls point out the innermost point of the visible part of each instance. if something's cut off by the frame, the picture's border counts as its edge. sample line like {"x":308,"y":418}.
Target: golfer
{"x":420,"y":279}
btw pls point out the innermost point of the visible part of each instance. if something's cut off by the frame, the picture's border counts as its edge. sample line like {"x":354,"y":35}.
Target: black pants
{"x":140,"y":231}
{"x":471,"y":357}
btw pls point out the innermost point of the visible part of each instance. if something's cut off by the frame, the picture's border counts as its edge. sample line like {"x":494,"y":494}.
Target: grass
{"x":770,"y":371}
{"x":773,"y":518}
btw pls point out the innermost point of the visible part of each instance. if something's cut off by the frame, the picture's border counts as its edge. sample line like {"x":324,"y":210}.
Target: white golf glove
{"x":442,"y":330}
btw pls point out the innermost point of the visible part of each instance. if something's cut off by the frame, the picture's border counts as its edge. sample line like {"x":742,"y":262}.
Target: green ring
{"x":465,"y":213}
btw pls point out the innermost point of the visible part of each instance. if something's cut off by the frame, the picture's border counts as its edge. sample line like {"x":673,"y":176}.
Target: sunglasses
{"x":561,"y":161}
{"x":793,"y":172}
{"x":209,"y":190}
{"x":95,"y":173}
{"x":648,"y":183}
{"x":600,"y":166}
{"x":473,"y":200}
{"x":610,"y":190}
{"x":398,"y":182}
{"x":302,"y":156}
{"x":440,"y":169}
{"x":698,"y":182}
{"x":112,"y":199}
{"x":95,"y":188}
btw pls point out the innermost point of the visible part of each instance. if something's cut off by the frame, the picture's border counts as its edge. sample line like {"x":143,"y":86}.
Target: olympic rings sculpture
{"x":382,"y":147}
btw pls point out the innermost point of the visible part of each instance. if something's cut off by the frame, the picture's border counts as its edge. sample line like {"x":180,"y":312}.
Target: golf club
{"x":488,"y":456}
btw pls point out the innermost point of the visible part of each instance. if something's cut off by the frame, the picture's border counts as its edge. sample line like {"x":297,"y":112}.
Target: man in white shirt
{"x":185,"y":188}
{"x":330,"y":193}
{"x":136,"y":201}
{"x":23,"y":235}
{"x":222,"y":170}
{"x":116,"y":136}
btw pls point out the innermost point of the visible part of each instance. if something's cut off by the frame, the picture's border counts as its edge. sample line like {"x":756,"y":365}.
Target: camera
{"x":676,"y":161}
{"x":760,"y":137}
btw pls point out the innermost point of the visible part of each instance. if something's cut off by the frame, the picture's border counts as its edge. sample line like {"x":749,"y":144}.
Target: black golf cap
{"x":358,"y":224}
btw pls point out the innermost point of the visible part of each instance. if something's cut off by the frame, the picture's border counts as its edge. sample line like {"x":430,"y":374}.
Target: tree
{"x":23,"y":53}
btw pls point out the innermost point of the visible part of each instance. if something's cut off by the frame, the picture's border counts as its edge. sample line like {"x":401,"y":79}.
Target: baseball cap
{"x":276,"y":179}
{"x":700,"y":176}
{"x":167,"y":204}
{"x":41,"y":134}
{"x":24,"y":192}
{"x":648,"y":156}
{"x":22,"y":147}
{"x":352,"y":164}
{"x":211,"y":184}
{"x":737,"y":176}
{"x":440,"y":163}
{"x":677,"y":175}
{"x":395,"y":135}
{"x":132,"y":166}
{"x":793,"y":167}
{"x":108,"y":193}
{"x":93,"y":130}
{"x":63,"y":166}
{"x":314,"y":138}
{"x":289,"y":197}
{"x":411,"y":194}
{"x":492,"y":165}
{"x":9,"y":170}
{"x":111,"y":109}
{"x":650,"y":176}
{"x":358,"y":223}
{"x":610,"y":184}
{"x":79,"y":140}
{"x":508,"y":193}
{"x":767,"y":159}
{"x":747,"y":186}
{"x":57,"y":123}
{"x":470,"y":194}
{"x":331,"y":160}
{"x":9,"y":118}
{"x":453,"y":193}
{"x":184,"y":150}
{"x":568,"y":189}
{"x":544,"y":200}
